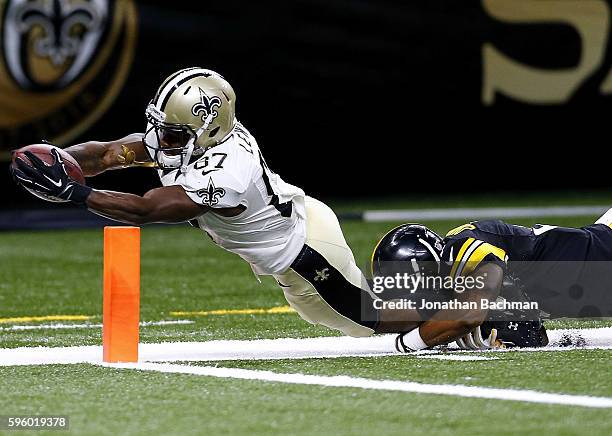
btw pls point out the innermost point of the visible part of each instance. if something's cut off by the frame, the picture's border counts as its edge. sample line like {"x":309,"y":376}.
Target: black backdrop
{"x":375,"y":97}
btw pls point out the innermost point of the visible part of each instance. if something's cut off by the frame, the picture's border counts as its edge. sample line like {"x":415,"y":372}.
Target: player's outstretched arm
{"x":449,"y":325}
{"x":169,"y":204}
{"x":96,"y":157}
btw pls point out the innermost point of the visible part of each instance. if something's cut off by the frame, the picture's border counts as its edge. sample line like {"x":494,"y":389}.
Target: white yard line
{"x":273,"y":349}
{"x":456,"y":357}
{"x":85,"y":326}
{"x":262,"y":349}
{"x":482,"y":213}
{"x":329,"y":347}
{"x":387,"y":385}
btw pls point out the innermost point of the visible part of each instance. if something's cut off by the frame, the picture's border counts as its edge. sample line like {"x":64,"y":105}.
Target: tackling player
{"x":214,"y":176}
{"x":556,"y":266}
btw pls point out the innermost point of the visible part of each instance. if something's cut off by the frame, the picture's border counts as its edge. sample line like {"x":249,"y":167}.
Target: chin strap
{"x":192,"y":141}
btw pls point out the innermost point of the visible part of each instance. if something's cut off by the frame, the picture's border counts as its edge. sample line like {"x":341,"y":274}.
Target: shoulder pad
{"x":460,"y":229}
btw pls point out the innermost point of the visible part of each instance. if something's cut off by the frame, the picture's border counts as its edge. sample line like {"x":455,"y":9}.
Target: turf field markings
{"x":364,"y":383}
{"x":86,"y":326}
{"x":456,"y":357}
{"x":162,"y":323}
{"x":565,"y":339}
{"x":45,"y":318}
{"x":283,"y":348}
{"x":278,"y":309}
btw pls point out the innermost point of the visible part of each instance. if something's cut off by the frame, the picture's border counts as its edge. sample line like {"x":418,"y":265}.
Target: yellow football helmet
{"x":194,"y":109}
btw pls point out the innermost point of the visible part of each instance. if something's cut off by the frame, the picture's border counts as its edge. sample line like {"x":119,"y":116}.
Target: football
{"x":43,"y":151}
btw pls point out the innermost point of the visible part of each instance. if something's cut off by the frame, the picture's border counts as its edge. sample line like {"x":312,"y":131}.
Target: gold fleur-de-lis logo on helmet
{"x":206,"y":106}
{"x":211,"y":195}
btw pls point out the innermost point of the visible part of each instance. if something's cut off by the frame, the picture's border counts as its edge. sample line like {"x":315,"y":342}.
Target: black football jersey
{"x":470,"y":245}
{"x":568,"y":270}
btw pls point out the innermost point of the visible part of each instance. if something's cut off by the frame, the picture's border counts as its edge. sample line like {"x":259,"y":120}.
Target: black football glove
{"x":52,"y":180}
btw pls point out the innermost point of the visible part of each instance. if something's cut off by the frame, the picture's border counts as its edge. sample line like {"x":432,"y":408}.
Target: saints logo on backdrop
{"x":63,"y":64}
{"x":505,"y":75}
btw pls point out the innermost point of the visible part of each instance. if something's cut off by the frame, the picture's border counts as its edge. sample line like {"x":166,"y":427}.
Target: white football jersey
{"x":271,"y":232}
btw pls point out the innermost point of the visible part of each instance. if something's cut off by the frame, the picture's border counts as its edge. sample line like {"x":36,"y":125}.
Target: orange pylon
{"x":121,"y":312}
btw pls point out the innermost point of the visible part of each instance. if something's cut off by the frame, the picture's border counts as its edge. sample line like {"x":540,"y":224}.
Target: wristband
{"x":79,"y":193}
{"x":411,"y":341}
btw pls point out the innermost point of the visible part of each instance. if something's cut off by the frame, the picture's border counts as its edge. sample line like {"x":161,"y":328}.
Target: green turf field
{"x":60,"y":273}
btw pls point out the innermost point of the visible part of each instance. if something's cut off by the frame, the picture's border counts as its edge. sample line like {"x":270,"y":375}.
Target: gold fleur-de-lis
{"x":127,"y":158}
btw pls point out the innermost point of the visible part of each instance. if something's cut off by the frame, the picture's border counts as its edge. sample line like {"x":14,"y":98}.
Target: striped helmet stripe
{"x":430,"y":249}
{"x":168,"y":79}
{"x":175,"y":82}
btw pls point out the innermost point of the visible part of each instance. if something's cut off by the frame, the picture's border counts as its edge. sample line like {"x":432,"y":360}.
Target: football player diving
{"x":567,"y":271}
{"x":214,"y":176}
